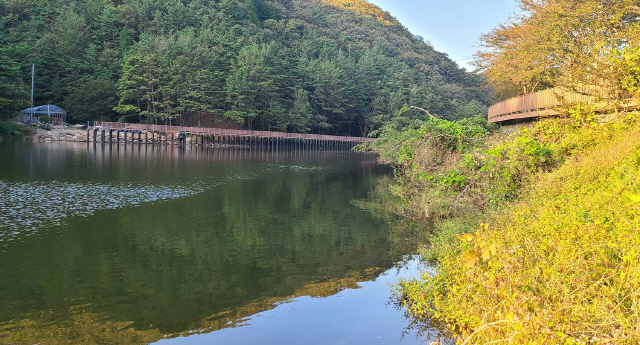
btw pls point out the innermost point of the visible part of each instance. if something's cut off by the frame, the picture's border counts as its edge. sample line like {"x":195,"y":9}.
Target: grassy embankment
{"x":536,"y":235}
{"x":10,"y":130}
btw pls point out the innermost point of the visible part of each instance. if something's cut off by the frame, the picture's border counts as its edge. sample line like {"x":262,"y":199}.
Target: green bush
{"x":556,"y":252}
{"x":10,"y":130}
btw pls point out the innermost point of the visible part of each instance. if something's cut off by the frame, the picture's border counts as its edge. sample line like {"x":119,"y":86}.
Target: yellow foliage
{"x":364,"y":8}
{"x":561,"y":264}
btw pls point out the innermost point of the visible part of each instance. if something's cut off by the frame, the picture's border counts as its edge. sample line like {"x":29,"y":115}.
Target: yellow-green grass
{"x":561,"y":264}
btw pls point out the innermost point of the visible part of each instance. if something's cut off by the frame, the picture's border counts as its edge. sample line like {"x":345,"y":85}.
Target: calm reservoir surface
{"x":118,"y":245}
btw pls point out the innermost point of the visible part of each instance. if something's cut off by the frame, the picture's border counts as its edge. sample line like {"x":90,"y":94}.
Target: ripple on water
{"x":26,"y":207}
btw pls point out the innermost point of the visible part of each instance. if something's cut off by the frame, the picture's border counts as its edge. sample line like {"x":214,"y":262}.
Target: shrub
{"x":12,"y":130}
{"x":561,"y":264}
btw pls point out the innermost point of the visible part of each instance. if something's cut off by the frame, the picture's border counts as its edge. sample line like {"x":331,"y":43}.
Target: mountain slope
{"x":339,"y":67}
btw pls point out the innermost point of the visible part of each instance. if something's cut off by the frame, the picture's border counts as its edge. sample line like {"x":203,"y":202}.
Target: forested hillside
{"x":327,"y":66}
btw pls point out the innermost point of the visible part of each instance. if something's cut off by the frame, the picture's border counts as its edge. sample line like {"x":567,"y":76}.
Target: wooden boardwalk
{"x":544,"y":103}
{"x":134,"y":133}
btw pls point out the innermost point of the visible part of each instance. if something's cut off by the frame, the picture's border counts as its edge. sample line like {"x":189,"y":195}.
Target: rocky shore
{"x":60,"y":134}
{"x":81,"y":135}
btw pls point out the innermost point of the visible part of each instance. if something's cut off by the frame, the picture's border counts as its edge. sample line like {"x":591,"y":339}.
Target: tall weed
{"x":561,"y":262}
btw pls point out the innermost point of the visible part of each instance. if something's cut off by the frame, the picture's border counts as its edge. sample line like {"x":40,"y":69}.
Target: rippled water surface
{"x":119,"y":245}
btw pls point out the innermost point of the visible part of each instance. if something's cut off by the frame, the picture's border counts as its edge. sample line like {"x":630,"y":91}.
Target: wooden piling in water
{"x":216,"y":137}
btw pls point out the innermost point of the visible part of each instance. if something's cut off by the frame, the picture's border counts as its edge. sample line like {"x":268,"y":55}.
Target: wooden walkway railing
{"x":103,"y":132}
{"x":223,"y":131}
{"x":537,"y":104}
{"x":544,"y":103}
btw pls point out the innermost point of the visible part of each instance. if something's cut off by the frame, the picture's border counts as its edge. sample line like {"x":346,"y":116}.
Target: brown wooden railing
{"x":541,"y":103}
{"x":546,"y":102}
{"x":224,"y":132}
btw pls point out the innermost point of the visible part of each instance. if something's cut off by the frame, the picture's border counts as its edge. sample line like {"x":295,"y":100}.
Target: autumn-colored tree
{"x":560,"y":43}
{"x":365,"y":8}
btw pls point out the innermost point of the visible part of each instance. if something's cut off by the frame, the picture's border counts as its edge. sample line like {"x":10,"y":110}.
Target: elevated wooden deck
{"x":179,"y":135}
{"x":543,"y":103}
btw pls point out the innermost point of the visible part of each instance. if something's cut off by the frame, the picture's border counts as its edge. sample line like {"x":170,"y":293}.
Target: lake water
{"x":119,"y":245}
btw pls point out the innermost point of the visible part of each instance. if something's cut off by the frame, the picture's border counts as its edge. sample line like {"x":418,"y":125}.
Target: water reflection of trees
{"x":137,"y":274}
{"x":406,"y":235}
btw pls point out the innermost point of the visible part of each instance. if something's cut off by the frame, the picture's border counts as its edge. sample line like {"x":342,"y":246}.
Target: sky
{"x":452,"y":26}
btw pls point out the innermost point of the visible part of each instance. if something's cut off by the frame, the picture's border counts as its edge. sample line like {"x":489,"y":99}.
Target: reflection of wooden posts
{"x":272,"y":142}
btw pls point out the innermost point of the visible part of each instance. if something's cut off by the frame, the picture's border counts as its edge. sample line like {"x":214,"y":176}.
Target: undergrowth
{"x":10,"y":130}
{"x":536,"y":235}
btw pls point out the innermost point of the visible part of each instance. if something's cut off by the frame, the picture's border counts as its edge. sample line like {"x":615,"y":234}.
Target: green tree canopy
{"x":330,"y":66}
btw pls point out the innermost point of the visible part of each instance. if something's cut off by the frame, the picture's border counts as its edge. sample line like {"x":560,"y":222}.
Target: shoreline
{"x":547,"y":208}
{"x":58,"y":134}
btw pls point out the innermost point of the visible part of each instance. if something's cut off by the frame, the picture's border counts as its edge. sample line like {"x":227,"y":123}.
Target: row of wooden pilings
{"x":134,"y":137}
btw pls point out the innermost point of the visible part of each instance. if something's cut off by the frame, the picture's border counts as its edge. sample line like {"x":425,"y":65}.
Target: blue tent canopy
{"x":57,"y":114}
{"x":48,"y":109}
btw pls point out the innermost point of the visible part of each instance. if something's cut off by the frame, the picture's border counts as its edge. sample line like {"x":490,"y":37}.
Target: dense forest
{"x":330,"y":66}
